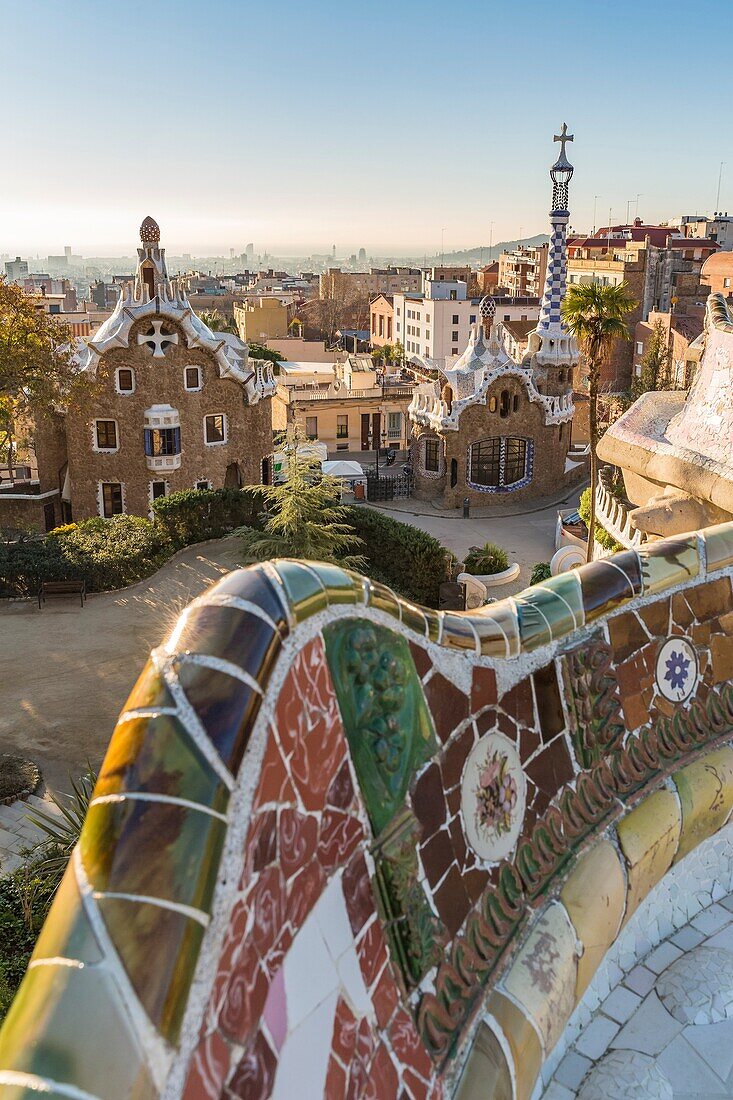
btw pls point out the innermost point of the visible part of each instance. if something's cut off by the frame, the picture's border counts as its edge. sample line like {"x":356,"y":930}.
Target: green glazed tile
{"x":67,"y":933}
{"x":159,"y":949}
{"x":23,"y":1092}
{"x":665,"y":564}
{"x":433,"y":624}
{"x":718,"y":546}
{"x":497,"y":627}
{"x":550,"y":610}
{"x":152,"y":849}
{"x":150,"y":691}
{"x":156,"y":755}
{"x":68,"y":1025}
{"x":306,"y":593}
{"x":457,"y":633}
{"x":413,"y":618}
{"x":383,"y":599}
{"x":342,"y":587}
{"x":387,"y":723}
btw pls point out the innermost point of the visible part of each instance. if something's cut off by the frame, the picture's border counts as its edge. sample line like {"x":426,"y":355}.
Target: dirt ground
{"x":67,"y":670}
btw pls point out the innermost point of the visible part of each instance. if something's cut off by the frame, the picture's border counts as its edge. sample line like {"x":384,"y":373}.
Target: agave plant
{"x":62,"y":830}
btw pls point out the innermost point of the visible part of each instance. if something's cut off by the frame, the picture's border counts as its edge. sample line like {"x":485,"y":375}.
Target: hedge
{"x":194,"y":515}
{"x":407,"y":559}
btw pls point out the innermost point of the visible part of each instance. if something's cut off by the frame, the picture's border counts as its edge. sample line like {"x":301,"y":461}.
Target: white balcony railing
{"x":614,"y":515}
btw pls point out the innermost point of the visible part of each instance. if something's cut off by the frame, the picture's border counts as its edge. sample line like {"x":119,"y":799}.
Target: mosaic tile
{"x":595,"y":898}
{"x":413,"y":618}
{"x":550,"y":610}
{"x":448,"y":705}
{"x":649,"y":837}
{"x":522,"y":1039}
{"x":552,"y":768}
{"x":668,"y":563}
{"x":609,"y":583}
{"x":698,"y":987}
{"x":721,"y":652}
{"x":237,"y":636}
{"x":486,"y":1073}
{"x":154,"y":849}
{"x":255,"y":1074}
{"x":387,"y":723}
{"x":254,"y":585}
{"x":627,"y":635}
{"x":497,"y":628}
{"x":549,"y":702}
{"x":68,"y":934}
{"x":457,"y":633}
{"x":54,"y":1007}
{"x":306,"y":594}
{"x":341,"y":586}
{"x":706,"y":796}
{"x":625,"y":1073}
{"x":718,"y":546}
{"x":383,"y":599}
{"x":150,"y":692}
{"x":493,"y":797}
{"x":159,"y":950}
{"x":711,"y":599}
{"x":156,"y":755}
{"x":226,"y":707}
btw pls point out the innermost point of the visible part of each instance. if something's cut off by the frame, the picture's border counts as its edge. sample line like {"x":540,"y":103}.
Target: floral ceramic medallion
{"x":677,"y":669}
{"x":493,"y":794}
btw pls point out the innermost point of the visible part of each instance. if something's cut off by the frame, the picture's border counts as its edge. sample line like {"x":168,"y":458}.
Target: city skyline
{"x":258,"y":130}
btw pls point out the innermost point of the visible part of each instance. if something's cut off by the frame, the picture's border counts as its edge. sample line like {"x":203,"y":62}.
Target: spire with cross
{"x":555,"y":281}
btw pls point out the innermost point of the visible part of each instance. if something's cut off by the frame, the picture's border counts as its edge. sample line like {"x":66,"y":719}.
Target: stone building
{"x":495,"y":426}
{"x":173,"y":406}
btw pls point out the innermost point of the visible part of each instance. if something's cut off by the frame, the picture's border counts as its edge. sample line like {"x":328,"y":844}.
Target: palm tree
{"x":217,"y":322}
{"x":594,"y":315}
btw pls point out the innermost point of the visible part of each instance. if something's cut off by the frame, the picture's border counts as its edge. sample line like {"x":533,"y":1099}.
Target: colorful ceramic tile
{"x":341,"y":586}
{"x":595,"y":898}
{"x":676,"y":669}
{"x":522,"y":1039}
{"x":706,"y":796}
{"x":457,"y":632}
{"x":152,"y":849}
{"x":150,"y":691}
{"x":383,"y":599}
{"x":238,"y":636}
{"x":718,"y":546}
{"x":668,"y":563}
{"x":721,"y":654}
{"x":159,"y":949}
{"x":255,"y":586}
{"x":306,"y":593}
{"x":542,"y":978}
{"x":550,"y":610}
{"x":66,"y":1024}
{"x":608,"y":583}
{"x":486,"y":1073}
{"x":157,"y":755}
{"x":497,"y":629}
{"x":67,"y":934}
{"x":649,"y":837}
{"x":493,"y":797}
{"x":387,"y":723}
{"x":413,"y":618}
{"x":226,"y":707}
{"x":449,"y":706}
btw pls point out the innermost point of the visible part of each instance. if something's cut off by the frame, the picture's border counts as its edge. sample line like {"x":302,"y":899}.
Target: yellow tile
{"x":706,"y":793}
{"x":649,"y":836}
{"x":523,"y":1042}
{"x":595,"y":898}
{"x":718,"y":546}
{"x":486,"y":1072}
{"x":543,"y":976}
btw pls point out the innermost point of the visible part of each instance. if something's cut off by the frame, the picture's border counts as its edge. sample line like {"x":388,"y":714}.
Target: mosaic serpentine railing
{"x":335,"y":831}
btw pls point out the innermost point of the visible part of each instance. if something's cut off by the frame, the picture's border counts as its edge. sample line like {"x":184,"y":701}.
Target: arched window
{"x":504,"y":403}
{"x":492,"y":405}
{"x":500,"y":465}
{"x":453,"y":473}
{"x":432,"y":456}
{"x":515,"y":403}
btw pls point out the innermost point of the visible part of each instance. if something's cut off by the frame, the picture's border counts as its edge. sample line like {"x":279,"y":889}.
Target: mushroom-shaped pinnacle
{"x":149,"y":231}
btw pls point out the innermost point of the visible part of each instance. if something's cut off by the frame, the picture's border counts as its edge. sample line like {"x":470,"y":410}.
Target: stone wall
{"x":335,"y":832}
{"x":161,"y":381}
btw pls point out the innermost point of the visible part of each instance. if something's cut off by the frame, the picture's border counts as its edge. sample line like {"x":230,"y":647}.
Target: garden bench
{"x":62,"y":588}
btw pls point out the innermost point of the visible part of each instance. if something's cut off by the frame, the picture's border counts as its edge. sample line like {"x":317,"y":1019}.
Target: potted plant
{"x":490,"y":564}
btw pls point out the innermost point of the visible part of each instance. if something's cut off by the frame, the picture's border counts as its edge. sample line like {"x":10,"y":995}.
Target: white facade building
{"x":436,"y":325}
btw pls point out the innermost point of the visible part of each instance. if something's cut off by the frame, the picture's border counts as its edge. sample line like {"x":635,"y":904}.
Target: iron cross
{"x":562,"y":137}
{"x":158,"y":340}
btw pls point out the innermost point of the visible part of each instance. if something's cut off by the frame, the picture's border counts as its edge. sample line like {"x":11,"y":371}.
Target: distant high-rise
{"x":362,"y":254}
{"x":250,"y":251}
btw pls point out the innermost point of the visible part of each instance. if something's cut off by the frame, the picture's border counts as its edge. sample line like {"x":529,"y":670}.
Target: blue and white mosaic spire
{"x":557,"y":261}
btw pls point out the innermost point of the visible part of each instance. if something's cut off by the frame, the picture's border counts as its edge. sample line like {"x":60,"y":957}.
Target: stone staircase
{"x":18,"y":833}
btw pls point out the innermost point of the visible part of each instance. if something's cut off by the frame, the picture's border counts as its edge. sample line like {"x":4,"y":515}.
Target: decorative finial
{"x":563,"y":137}
{"x":149,"y":231}
{"x":487,"y":308}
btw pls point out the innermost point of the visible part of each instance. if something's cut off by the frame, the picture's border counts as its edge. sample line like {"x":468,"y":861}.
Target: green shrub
{"x":194,"y":515}
{"x":407,"y":559}
{"x":105,"y":553}
{"x":25,"y":898}
{"x":486,"y":559}
{"x":540,"y":572}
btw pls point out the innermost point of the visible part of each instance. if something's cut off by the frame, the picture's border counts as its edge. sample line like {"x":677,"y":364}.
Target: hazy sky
{"x":298,"y":125}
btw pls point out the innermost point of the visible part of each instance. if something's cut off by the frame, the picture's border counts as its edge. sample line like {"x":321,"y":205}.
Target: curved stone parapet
{"x":344,"y":846}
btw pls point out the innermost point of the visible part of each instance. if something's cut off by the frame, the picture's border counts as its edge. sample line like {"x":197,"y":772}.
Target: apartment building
{"x":679,"y":333}
{"x":716,"y":275}
{"x":381,"y":320}
{"x":261,"y":319}
{"x":522,"y":271}
{"x":349,"y":406}
{"x":435,"y":325}
{"x":336,"y":283}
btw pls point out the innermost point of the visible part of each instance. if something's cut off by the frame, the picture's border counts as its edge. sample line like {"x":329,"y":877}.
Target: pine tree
{"x":655,"y":366}
{"x":303,"y":518}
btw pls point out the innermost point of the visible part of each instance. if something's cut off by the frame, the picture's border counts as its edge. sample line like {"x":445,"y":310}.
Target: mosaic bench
{"x":336,"y":836}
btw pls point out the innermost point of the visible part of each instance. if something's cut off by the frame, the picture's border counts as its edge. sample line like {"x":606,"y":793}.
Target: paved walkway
{"x":73,"y":668}
{"x":18,"y":834}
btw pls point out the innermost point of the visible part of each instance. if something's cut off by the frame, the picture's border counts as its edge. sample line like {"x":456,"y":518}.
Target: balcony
{"x":614,"y":514}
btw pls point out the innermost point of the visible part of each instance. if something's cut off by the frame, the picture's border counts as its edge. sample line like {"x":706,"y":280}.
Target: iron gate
{"x":388,"y":487}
